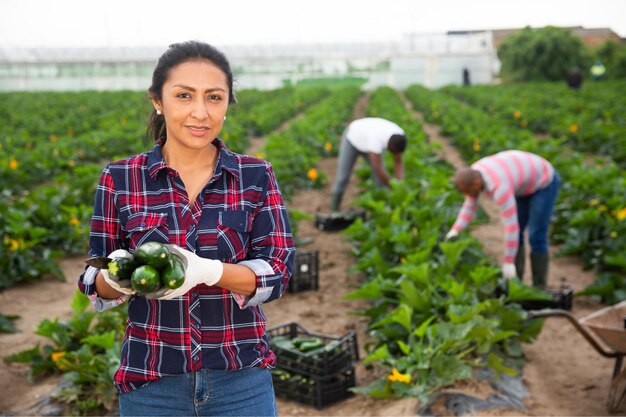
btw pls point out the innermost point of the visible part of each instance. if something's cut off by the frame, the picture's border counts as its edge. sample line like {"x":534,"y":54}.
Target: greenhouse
{"x":433,"y":60}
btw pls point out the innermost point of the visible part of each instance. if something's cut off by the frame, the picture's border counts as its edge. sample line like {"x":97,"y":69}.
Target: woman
{"x":200,"y":349}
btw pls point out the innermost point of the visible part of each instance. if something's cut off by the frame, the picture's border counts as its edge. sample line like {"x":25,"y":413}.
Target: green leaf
{"x":6,"y":324}
{"x":518,"y":291}
{"x":80,"y":302}
{"x":25,"y":356}
{"x":382,"y":353}
{"x":106,"y":340}
{"x":421,"y":330}
{"x":413,"y":297}
{"x":370,"y":290}
{"x":377,"y":389}
{"x":406,"y":349}
{"x":402,"y":316}
{"x":498,"y":365}
{"x":453,"y":250}
{"x":449,"y":369}
{"x":47,"y":328}
{"x":483,"y":273}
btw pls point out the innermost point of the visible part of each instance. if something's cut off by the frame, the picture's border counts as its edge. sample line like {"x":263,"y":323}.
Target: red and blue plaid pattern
{"x":239,"y":217}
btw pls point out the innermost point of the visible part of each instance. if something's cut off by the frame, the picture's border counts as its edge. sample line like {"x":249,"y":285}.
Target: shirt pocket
{"x":146,"y":227}
{"x":233,"y":234}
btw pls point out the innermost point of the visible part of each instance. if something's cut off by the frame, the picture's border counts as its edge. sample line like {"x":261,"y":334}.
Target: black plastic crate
{"x":305,"y":271}
{"x":338,"y":353}
{"x":317,"y":392}
{"x":336,"y":221}
{"x":562,"y":299}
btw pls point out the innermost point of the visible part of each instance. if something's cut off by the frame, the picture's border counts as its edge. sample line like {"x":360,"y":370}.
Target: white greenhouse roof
{"x":440,"y":44}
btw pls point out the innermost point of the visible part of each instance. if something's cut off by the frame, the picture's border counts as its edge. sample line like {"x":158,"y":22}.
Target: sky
{"x":84,"y":23}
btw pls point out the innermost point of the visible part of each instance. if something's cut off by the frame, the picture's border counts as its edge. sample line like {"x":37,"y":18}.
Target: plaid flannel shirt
{"x":239,"y":217}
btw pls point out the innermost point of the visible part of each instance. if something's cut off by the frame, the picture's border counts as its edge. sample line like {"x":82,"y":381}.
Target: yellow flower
{"x":55,"y":356}
{"x":54,"y":138}
{"x":593,"y":202}
{"x":402,"y":260}
{"x":123,"y":121}
{"x":621,"y":215}
{"x":523,"y":123}
{"x":312,"y":174}
{"x":398,"y":377}
{"x":14,"y":244}
{"x":517,"y":114}
{"x":476,"y":145}
{"x":328,"y":146}
{"x":573,"y":128}
{"x":74,"y":221}
{"x":13,"y":164}
{"x":602,"y":207}
{"x":613,"y":234}
{"x":260,"y":155}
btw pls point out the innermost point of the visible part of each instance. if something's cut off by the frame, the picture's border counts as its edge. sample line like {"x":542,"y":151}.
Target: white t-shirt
{"x":372,"y":134}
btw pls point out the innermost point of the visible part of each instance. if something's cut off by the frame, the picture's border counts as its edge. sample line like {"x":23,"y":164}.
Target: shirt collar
{"x":225,"y":160}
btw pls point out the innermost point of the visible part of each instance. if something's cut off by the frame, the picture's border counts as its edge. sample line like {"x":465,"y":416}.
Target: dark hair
{"x":397,"y":143}
{"x":176,"y":54}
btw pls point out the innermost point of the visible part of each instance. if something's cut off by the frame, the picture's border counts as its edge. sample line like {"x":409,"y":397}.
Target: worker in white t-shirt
{"x":368,"y":137}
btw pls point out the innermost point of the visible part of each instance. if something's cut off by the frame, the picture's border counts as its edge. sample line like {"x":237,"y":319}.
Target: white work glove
{"x":451,"y":234}
{"x":122,"y":286}
{"x":508,"y":271}
{"x":197,"y":271}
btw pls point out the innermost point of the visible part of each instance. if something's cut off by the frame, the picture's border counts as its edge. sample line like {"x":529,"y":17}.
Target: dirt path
{"x":324,"y":310}
{"x":34,"y":302}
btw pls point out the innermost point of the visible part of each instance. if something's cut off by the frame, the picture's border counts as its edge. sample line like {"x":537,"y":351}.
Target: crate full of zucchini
{"x":313,"y":368}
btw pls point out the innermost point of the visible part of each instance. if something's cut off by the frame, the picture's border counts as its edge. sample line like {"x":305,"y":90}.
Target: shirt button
{"x":143,"y":224}
{"x":197,"y":325}
{"x":194,"y":294}
{"x":196,"y":358}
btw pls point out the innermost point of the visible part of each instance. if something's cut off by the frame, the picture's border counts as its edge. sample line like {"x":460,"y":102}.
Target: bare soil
{"x":565,"y":376}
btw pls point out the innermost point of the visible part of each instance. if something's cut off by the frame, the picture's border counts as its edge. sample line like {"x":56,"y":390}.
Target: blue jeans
{"x":246,"y":392}
{"x":535,"y":212}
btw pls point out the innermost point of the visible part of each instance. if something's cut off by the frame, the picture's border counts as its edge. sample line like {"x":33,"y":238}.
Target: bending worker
{"x":525,"y":186}
{"x":368,"y":137}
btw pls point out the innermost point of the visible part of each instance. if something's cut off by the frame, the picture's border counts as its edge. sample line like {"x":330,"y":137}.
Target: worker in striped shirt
{"x":524,"y":186}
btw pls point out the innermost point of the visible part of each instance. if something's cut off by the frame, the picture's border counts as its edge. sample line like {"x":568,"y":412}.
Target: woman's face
{"x":194,"y":103}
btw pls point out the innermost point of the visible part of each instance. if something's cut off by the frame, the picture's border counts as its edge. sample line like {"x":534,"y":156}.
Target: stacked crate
{"x":316,"y":377}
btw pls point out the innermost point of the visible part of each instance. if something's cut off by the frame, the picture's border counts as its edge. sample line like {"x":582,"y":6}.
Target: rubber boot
{"x":539,"y":265}
{"x":520,"y":262}
{"x":335,"y":201}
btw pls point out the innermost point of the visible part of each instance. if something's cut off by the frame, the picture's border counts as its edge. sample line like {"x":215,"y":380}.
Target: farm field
{"x":448,"y":130}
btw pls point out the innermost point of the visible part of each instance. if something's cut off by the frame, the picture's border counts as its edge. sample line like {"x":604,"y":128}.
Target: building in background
{"x":432,"y":60}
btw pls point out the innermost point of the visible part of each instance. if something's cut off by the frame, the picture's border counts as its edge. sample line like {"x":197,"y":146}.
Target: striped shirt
{"x":507,"y":175}
{"x":239,"y":217}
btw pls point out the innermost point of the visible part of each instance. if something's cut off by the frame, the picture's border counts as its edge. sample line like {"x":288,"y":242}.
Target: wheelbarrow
{"x":607,"y":325}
